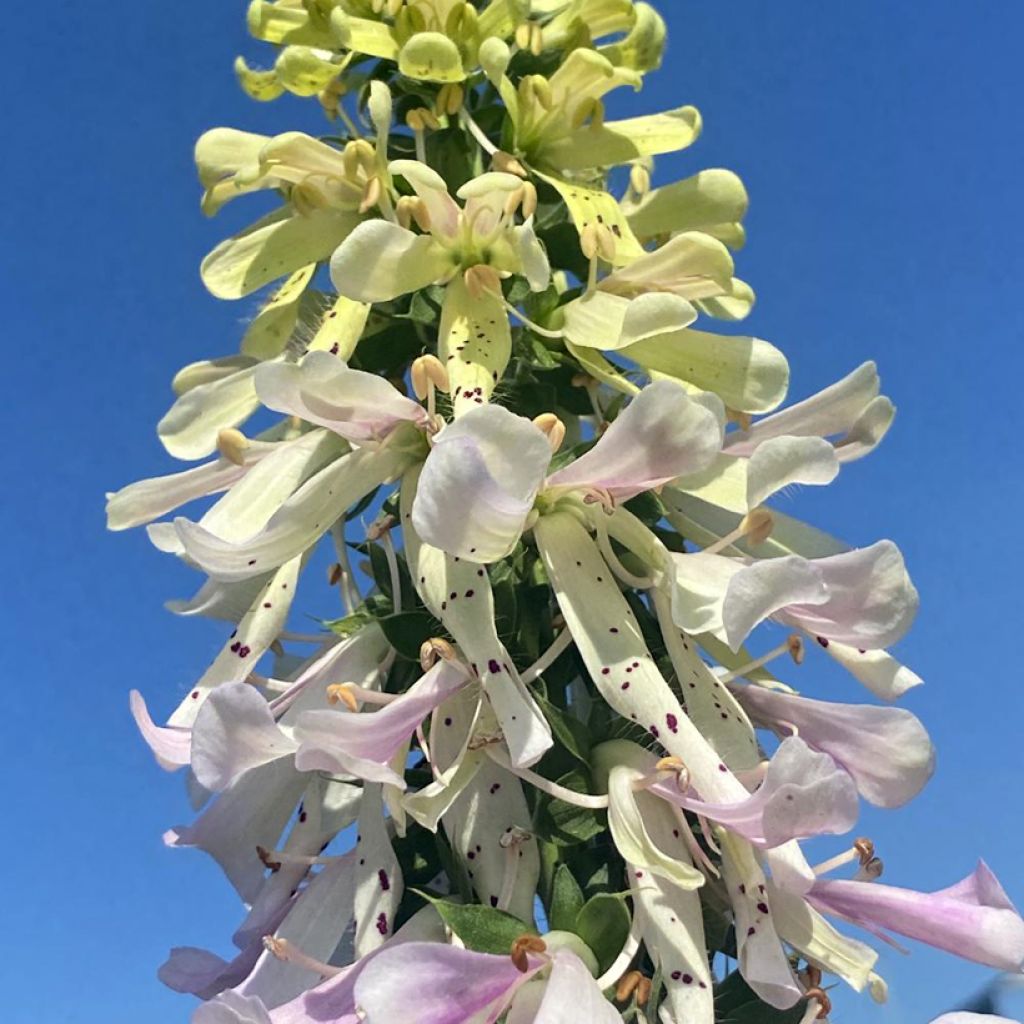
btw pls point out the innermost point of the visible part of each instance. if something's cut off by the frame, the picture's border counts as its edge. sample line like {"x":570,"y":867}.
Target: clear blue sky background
{"x":881,"y":145}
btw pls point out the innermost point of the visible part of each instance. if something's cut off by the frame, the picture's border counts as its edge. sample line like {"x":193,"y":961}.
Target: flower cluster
{"x":532,"y":772}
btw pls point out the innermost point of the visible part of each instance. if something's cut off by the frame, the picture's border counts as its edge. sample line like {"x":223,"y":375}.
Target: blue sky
{"x":881,"y":147}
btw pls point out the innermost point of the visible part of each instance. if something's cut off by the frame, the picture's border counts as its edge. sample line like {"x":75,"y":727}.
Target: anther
{"x":379,"y":527}
{"x":755,"y":527}
{"x":529,"y":199}
{"x":508,"y":164}
{"x":371,"y":195}
{"x":553,"y":427}
{"x":633,"y":983}
{"x":231,"y":444}
{"x":640,"y":179}
{"x":522,"y":947}
{"x":450,"y":99}
{"x":516,"y":836}
{"x":865,"y":848}
{"x":793,"y":646}
{"x":433,"y":649}
{"x":335,"y":574}
{"x":342,"y":693}
{"x":267,"y":860}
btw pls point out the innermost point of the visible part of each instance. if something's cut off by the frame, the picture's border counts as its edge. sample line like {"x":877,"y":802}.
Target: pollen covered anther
{"x":633,"y":983}
{"x":433,"y":649}
{"x":553,"y":427}
{"x":523,"y":947}
{"x":231,"y":444}
{"x":342,"y":693}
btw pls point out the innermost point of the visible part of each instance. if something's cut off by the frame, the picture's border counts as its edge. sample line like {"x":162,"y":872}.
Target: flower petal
{"x":660,"y":435}
{"x":879,"y":671}
{"x":598,"y":319}
{"x":361,"y":407}
{"x":886,"y":750}
{"x":748,"y":374}
{"x":380,"y":261}
{"x":231,"y":1008}
{"x":712,"y":201}
{"x":235,"y":731}
{"x":479,"y":484}
{"x":363,"y":743}
{"x":172,"y":747}
{"x":691,"y":265}
{"x":571,"y":993}
{"x":378,"y":878}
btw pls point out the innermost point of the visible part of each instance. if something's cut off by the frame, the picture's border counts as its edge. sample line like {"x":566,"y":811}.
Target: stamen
{"x":613,"y":560}
{"x":450,"y":99}
{"x":522,"y":947}
{"x":570,"y":796}
{"x":633,"y":984}
{"x":372,"y":195}
{"x":350,"y":596}
{"x":553,"y":427}
{"x":350,"y":694}
{"x":382,"y":530}
{"x":273,"y":860}
{"x":508,"y":164}
{"x":819,"y":1005}
{"x":283,"y":950}
{"x":625,"y":957}
{"x":561,"y":643}
{"x":467,"y":122}
{"x":640,"y":180}
{"x":544,"y":332}
{"x":529,"y":200}
{"x":756,"y":527}
{"x":481,"y":279}
{"x":510,"y":842}
{"x":793,"y":646}
{"x":871,"y":871}
{"x":434,"y":648}
{"x":231,"y":444}
{"x":863,"y":851}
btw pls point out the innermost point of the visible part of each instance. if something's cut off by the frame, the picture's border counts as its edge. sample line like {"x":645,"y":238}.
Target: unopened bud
{"x":231,"y":444}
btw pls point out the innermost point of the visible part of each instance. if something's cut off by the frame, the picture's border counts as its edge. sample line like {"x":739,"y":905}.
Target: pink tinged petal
{"x":660,"y":435}
{"x":201,"y":973}
{"x":363,"y":743}
{"x":485,"y":197}
{"x":378,"y":878}
{"x":298,"y":524}
{"x":829,"y":412}
{"x":571,"y":993}
{"x":234,"y":732}
{"x":782,"y":461}
{"x":701,"y":582}
{"x":327,"y":807}
{"x":760,"y":590}
{"x":762,"y":959}
{"x":190,"y":427}
{"x":252,"y":812}
{"x":887,"y":751}
{"x":973,"y":919}
{"x":257,"y":630}
{"x":361,"y":407}
{"x":804,"y":794}
{"x":879,"y":671}
{"x":171,"y":746}
{"x":432,"y":189}
{"x":380,"y":261}
{"x":871,"y":600}
{"x":232,"y":1008}
{"x":432,"y":983}
{"x":315,"y":924}
{"x":479,"y":483}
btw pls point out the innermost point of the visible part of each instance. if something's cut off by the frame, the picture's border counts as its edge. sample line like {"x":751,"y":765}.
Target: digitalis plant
{"x":531,"y":773}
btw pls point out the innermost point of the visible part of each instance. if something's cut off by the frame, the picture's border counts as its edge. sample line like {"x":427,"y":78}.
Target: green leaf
{"x":736,"y":1003}
{"x":407,"y":631}
{"x":603,"y":924}
{"x":569,"y":731}
{"x":350,"y":623}
{"x":566,"y":900}
{"x":566,"y":824}
{"x":482,"y":929}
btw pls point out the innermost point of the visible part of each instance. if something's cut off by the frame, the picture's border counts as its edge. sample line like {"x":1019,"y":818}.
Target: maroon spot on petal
{"x":385,"y":882}
{"x":244,"y":652}
{"x":625,"y":685}
{"x":495,"y":788}
{"x":763,"y":908}
{"x":614,"y":629}
{"x":447,"y":721}
{"x":236,"y":646}
{"x":470,"y":593}
{"x":267,"y":604}
{"x":822,"y":640}
{"x":672,"y":722}
{"x":676,"y":975}
{"x":493,"y":665}
{"x":751,"y":931}
{"x":654,"y":731}
{"x":639,"y":874}
{"x":743,"y":889}
{"x":252,"y":561}
{"x":494,"y":901}
{"x":302,"y":817}
{"x":687,"y":979}
{"x":471,"y":855}
{"x":382,"y":924}
{"x":702,"y":984}
{"x":605,"y":670}
{"x":195,"y":695}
